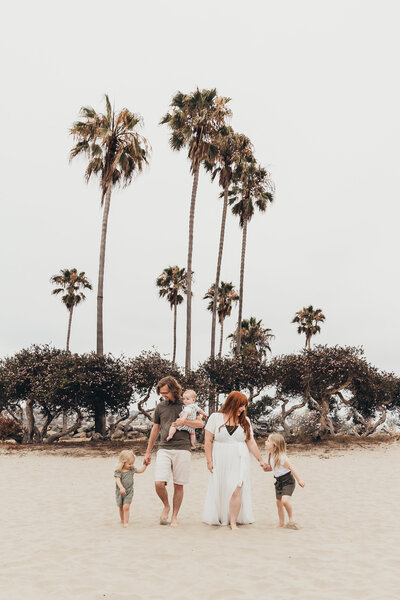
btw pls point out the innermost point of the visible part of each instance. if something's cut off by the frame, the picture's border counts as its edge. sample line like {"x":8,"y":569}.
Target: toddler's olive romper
{"x":126,"y":478}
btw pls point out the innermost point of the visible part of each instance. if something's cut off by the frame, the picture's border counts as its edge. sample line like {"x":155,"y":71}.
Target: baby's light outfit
{"x":190,"y":413}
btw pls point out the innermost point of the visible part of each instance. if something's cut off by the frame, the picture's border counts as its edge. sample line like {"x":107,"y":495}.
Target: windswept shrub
{"x":10,"y":429}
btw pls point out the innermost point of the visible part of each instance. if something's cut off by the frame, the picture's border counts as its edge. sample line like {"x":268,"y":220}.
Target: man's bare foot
{"x":164,"y":515}
{"x":291,"y":525}
{"x":174,"y":522}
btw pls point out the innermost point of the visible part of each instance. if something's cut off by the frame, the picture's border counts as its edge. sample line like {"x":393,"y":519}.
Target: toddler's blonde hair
{"x":278,"y":448}
{"x":190,"y":393}
{"x":123,"y":457}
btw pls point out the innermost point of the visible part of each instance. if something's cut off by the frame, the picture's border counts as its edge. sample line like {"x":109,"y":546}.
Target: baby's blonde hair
{"x":123,"y":457}
{"x":191,"y":393}
{"x":278,"y":448}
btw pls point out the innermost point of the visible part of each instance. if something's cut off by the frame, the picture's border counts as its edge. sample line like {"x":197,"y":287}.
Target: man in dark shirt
{"x":173,"y":457}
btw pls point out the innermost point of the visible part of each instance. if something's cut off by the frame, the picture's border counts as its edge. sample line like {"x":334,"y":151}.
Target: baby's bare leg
{"x":193,"y":439}
{"x":171,"y":433}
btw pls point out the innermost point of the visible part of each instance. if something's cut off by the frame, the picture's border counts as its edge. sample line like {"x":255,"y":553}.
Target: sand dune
{"x":61,"y":538}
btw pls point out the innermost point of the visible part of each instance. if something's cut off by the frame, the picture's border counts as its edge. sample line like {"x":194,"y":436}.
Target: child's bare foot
{"x":174,"y":522}
{"x":169,"y":438}
{"x":125,"y":525}
{"x":234,"y":526}
{"x":280,"y":525}
{"x":164,"y":516}
{"x":291,"y":525}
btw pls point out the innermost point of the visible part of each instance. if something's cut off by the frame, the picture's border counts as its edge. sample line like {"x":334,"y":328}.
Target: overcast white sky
{"x":314,"y":84}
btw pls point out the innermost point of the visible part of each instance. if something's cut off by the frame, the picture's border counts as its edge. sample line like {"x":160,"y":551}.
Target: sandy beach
{"x":61,"y":536}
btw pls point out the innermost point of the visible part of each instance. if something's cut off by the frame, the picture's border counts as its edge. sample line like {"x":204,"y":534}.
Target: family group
{"x":228,"y":443}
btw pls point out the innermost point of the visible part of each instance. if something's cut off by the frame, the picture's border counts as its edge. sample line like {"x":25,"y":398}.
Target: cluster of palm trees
{"x":198,"y":121}
{"x":116,"y":152}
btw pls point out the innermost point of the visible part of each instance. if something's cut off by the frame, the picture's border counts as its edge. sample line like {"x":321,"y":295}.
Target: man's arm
{"x":197,"y":424}
{"x":155,"y":431}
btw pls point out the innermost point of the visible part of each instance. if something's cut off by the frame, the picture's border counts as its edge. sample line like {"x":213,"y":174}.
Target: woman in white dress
{"x":228,"y":440}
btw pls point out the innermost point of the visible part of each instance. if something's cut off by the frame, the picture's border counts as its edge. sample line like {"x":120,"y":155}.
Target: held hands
{"x":265,"y":466}
{"x":147,"y":459}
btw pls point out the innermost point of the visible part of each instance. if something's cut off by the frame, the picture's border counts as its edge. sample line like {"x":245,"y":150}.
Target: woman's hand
{"x":210,"y":466}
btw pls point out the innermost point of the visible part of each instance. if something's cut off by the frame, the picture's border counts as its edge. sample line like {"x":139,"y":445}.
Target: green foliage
{"x":254,"y":338}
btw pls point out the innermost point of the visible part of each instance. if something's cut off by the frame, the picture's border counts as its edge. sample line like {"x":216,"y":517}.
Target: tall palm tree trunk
{"x":174,"y":352}
{"x":244,"y":240}
{"x":100,"y":347}
{"x":221,"y":338}
{"x":100,"y":411}
{"x":64,"y":414}
{"x":189,"y":272}
{"x":69,"y":327}
{"x":218,"y":273}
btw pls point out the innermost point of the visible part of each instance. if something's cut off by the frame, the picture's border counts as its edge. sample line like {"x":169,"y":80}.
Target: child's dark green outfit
{"x":126,"y":478}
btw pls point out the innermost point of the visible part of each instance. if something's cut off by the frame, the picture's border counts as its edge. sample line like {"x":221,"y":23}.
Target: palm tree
{"x":233,"y":149}
{"x":195,"y":120}
{"x":253,"y":188}
{"x":172,"y":282}
{"x":116,"y":152}
{"x":70,"y":282}
{"x":254,"y":337}
{"x":226,"y":296}
{"x":308,"y":319}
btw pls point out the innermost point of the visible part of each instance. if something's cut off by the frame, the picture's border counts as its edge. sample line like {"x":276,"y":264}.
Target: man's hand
{"x":147,"y":459}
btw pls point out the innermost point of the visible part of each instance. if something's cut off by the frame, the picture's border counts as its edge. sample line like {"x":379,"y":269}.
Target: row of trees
{"x":172,"y":285}
{"x":324,"y":382}
{"x":198,"y":122}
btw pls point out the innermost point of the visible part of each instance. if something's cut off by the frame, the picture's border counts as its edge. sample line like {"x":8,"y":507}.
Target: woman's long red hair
{"x":230,"y":410}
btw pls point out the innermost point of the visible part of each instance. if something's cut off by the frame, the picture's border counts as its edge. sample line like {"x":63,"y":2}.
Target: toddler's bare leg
{"x":126,"y":508}
{"x":121,"y":514}
{"x":281,"y":513}
{"x":171,"y":433}
{"x":288,"y":507}
{"x":193,"y":439}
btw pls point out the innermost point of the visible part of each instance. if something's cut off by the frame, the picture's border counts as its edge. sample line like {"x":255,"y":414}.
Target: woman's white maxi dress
{"x":231,"y":468}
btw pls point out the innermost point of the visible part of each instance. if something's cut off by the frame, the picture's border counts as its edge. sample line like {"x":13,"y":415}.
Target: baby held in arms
{"x":189,"y":412}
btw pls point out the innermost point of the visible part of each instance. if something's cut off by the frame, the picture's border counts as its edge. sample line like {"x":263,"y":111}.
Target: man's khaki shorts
{"x":175,"y":463}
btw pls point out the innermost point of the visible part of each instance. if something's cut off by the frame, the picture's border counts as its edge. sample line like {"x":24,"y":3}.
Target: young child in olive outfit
{"x":123,"y":476}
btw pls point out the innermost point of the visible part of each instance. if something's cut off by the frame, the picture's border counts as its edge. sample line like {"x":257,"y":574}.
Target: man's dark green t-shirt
{"x":165,"y":414}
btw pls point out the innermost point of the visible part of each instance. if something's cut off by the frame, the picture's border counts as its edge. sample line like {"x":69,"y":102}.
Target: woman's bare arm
{"x":208,"y":446}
